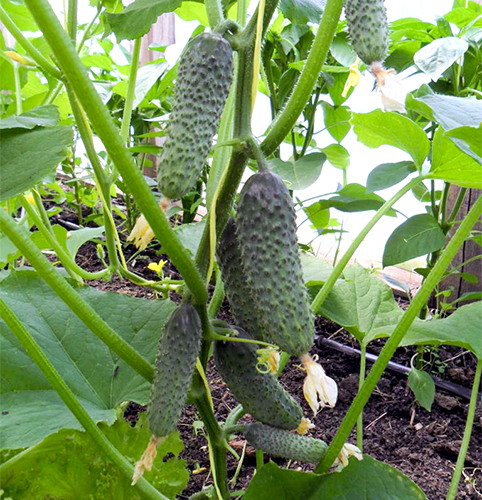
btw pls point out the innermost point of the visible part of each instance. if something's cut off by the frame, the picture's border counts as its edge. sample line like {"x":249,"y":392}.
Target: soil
{"x":423,"y":445}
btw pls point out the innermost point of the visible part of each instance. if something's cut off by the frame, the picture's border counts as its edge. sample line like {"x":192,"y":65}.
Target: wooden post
{"x":468,"y":250}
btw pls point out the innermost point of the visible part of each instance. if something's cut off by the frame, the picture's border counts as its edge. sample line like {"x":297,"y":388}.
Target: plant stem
{"x":397,"y":335}
{"x":21,"y":239}
{"x":87,"y":30}
{"x":131,"y":91}
{"x":68,"y":397}
{"x":457,"y":204}
{"x":308,"y":78}
{"x":62,"y":254}
{"x":105,"y":128}
{"x":72,"y":20}
{"x":443,"y":207}
{"x":43,"y":63}
{"x":467,"y":433}
{"x":217,"y":297}
{"x":214,"y":11}
{"x":361,"y":379}
{"x":383,"y":210}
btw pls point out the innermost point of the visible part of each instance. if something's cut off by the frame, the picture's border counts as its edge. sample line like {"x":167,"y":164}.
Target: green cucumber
{"x":284,"y":444}
{"x":266,"y":230}
{"x":260,"y":393}
{"x":237,"y":291}
{"x":176,"y":358}
{"x":368,"y":28}
{"x":203,"y":82}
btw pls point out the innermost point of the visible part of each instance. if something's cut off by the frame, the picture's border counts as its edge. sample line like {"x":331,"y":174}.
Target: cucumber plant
{"x":252,"y":236}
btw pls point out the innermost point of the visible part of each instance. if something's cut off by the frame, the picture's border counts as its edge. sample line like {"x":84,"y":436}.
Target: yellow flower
{"x":157,"y":267}
{"x":304,"y":426}
{"x":141,"y":234}
{"x":14,"y":56}
{"x":348,"y":450}
{"x":353,"y":78}
{"x":30,"y":199}
{"x":319,"y":390}
{"x":391,"y":88}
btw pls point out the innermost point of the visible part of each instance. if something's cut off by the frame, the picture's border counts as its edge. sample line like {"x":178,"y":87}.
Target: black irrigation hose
{"x":396,"y":367}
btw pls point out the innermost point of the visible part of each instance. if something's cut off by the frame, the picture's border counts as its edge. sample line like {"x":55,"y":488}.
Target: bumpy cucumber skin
{"x":284,"y":444}
{"x":260,"y":393}
{"x":203,"y":82}
{"x":266,"y":230}
{"x":237,"y":291}
{"x":368,"y":27}
{"x":176,"y":358}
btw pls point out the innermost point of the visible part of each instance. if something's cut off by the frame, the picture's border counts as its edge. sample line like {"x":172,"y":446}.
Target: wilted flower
{"x":391,"y":88}
{"x":304,"y":426}
{"x":147,"y":459}
{"x":141,"y":234}
{"x":319,"y":390}
{"x":157,"y":268}
{"x":353,"y":78}
{"x":268,"y":360}
{"x":348,"y":450}
{"x":15,"y":56}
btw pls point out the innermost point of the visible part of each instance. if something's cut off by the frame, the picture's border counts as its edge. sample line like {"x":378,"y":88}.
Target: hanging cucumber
{"x":237,"y":291}
{"x":174,"y":366}
{"x":368,"y":27}
{"x":266,"y":231}
{"x":260,"y":393}
{"x":203,"y":82}
{"x":284,"y":444}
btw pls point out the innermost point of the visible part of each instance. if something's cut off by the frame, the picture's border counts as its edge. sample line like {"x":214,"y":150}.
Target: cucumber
{"x":368,"y":28}
{"x":284,"y":444}
{"x":176,"y":358}
{"x":260,"y":393}
{"x":203,"y":82}
{"x":237,"y":291}
{"x":266,"y":230}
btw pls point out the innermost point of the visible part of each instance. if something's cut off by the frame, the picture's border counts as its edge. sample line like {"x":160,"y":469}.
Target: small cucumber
{"x":237,"y":291}
{"x":368,"y":27}
{"x":260,"y":393}
{"x":176,"y":358}
{"x":203,"y":82}
{"x":284,"y":444}
{"x":266,"y":230}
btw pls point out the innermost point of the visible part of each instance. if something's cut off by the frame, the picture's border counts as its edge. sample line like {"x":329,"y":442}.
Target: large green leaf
{"x":389,"y":174}
{"x":303,"y":11}
{"x":354,"y":198}
{"x":20,"y":15}
{"x":361,"y":479}
{"x":315,"y":269}
{"x":379,"y":128}
{"x":364,"y":305}
{"x":29,"y":155}
{"x":452,"y":165}
{"x":419,"y":235}
{"x":337,"y":120}
{"x":48,"y":469}
{"x":472,"y":136}
{"x":136,"y":19}
{"x":337,"y":155}
{"x":436,"y":57}
{"x":31,"y":410}
{"x":299,"y":174}
{"x":42,"y":116}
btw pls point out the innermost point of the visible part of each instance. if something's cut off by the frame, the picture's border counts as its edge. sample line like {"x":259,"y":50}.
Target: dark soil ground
{"x":424,"y":445}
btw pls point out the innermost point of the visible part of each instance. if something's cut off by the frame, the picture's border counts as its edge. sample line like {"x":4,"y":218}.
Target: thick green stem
{"x":43,"y":63}
{"x":62,"y":254}
{"x":21,"y":239}
{"x":68,"y":397}
{"x":131,"y":91}
{"x":397,"y":335}
{"x":217,"y":297}
{"x":361,"y":379}
{"x":383,"y":210}
{"x":308,"y":78}
{"x":105,"y":128}
{"x":214,"y":10}
{"x":452,"y":493}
